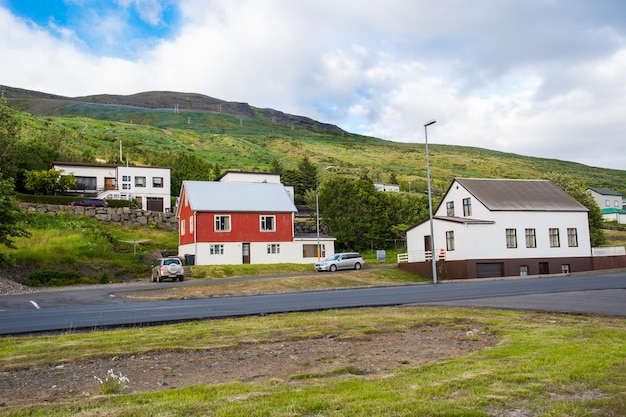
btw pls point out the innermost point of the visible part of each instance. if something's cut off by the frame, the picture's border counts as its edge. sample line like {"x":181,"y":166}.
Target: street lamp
{"x":317,"y":215}
{"x":430,"y":205}
{"x":317,"y":211}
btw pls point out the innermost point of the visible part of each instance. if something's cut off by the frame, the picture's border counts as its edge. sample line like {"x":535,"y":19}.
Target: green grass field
{"x":541,"y":365}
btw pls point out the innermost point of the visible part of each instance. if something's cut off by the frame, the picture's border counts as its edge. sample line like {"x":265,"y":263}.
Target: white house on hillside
{"x":148,"y":186}
{"x":611,"y":204}
{"x":498,"y":227}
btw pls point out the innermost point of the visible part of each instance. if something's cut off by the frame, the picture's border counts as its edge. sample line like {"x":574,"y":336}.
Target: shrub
{"x":46,"y":277}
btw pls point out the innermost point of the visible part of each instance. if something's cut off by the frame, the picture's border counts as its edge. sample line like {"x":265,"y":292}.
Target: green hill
{"x":237,"y":136}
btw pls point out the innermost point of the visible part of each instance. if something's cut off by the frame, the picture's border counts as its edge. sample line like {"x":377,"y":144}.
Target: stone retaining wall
{"x":122,"y":216}
{"x":125,"y":216}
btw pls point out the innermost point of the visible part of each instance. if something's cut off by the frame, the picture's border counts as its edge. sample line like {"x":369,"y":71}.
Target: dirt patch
{"x":156,"y":371}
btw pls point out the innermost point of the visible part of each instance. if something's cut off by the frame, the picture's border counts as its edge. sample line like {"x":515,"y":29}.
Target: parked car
{"x":168,"y":268}
{"x":90,"y":202}
{"x":349,"y":260}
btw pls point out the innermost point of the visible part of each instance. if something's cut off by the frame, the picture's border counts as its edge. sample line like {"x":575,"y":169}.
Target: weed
{"x":112,"y":383}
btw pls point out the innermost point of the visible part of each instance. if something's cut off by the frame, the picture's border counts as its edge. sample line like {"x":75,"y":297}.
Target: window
{"x":157,"y":182}
{"x":565,"y":269}
{"x":125,"y":186}
{"x":126,"y":178}
{"x":268,"y":223}
{"x":85,"y":183}
{"x":191,"y":224}
{"x":216,"y":249}
{"x":607,"y":203}
{"x":554,"y":238}
{"x":450,"y":240}
{"x":523,"y":270}
{"x":450,"y":208}
{"x":140,"y":181}
{"x":182,"y":227}
{"x":273,"y":248}
{"x":572,"y":237}
{"x":310,"y":251}
{"x":222,"y":223}
{"x":531,"y":238}
{"x":467,"y":207}
{"x":511,"y":238}
{"x":616,"y":204}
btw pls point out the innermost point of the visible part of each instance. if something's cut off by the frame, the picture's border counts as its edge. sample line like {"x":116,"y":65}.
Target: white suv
{"x":349,"y":260}
{"x":168,"y":268}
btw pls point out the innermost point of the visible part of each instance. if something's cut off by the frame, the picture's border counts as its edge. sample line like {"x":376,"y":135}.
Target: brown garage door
{"x":489,"y":270}
{"x":154,"y":204}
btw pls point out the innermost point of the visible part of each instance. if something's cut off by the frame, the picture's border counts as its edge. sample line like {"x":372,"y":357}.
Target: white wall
{"x":149,"y":190}
{"x":290,"y":252}
{"x":488,"y":241}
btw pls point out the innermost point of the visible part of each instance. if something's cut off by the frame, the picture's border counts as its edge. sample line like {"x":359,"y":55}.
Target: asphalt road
{"x":102,"y":307}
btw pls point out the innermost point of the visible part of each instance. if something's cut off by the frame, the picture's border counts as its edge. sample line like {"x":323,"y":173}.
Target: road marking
{"x":35,"y":304}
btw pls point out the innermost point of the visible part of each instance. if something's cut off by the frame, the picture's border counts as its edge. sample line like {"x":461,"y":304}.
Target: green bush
{"x":52,"y":278}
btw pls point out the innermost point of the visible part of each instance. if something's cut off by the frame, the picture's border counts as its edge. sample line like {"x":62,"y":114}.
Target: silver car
{"x":168,"y":268}
{"x":348,"y":260}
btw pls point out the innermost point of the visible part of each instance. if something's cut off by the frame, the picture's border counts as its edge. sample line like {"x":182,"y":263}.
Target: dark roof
{"x":463,"y":220}
{"x":604,"y":191}
{"x":520,"y":195}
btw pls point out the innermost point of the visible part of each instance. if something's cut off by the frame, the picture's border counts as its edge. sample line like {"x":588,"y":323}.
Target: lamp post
{"x":430,"y":205}
{"x":317,"y":210}
{"x":317,"y":215}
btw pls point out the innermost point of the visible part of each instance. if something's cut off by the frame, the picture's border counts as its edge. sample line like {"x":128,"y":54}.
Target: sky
{"x":542,"y":78}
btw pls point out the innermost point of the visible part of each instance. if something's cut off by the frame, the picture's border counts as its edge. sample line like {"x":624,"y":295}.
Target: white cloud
{"x":534,"y":78}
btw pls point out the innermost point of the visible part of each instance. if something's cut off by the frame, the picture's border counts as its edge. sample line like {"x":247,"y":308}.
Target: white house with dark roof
{"x":498,"y":227}
{"x":611,"y":204}
{"x":148,"y":186}
{"x":243,"y":223}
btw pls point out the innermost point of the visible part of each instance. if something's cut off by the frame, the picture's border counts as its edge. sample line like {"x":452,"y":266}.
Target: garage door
{"x":489,"y":270}
{"x":155,"y":204}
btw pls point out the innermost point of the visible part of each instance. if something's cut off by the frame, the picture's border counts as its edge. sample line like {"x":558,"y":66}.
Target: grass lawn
{"x":542,"y":365}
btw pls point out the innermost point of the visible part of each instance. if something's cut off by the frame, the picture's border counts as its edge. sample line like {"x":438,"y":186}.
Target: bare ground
{"x":375,"y":354}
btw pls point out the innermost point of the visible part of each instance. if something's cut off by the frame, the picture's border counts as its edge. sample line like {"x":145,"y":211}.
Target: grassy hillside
{"x":241,"y":137}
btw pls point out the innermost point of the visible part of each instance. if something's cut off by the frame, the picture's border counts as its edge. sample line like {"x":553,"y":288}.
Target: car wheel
{"x":159,"y":278}
{"x":357,"y":266}
{"x":153,"y":278}
{"x":333,"y":268}
{"x":181,"y":278}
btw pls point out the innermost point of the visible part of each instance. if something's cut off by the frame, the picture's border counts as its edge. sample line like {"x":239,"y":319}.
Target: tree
{"x":9,"y":135}
{"x":306,"y":176}
{"x":48,"y":182}
{"x":577,"y":190}
{"x":10,"y":217}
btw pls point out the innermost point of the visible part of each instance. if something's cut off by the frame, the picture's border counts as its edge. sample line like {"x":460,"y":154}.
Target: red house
{"x":240,"y":223}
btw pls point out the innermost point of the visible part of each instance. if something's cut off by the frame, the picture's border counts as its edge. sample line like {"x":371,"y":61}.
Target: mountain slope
{"x":240,"y":136}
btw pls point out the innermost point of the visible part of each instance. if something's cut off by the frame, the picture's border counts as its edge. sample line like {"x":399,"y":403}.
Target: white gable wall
{"x":488,"y":241}
{"x":456,"y":194}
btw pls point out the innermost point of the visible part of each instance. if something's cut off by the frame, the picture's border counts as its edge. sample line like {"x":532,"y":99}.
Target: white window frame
{"x":183,"y":230}
{"x":264,"y":223}
{"x":140,"y":182}
{"x":273,"y":248}
{"x":467,"y":207}
{"x":572,"y":237}
{"x":222,"y":226}
{"x":216,"y":249}
{"x":511,"y":238}
{"x":555,"y":240}
{"x":157,"y":182}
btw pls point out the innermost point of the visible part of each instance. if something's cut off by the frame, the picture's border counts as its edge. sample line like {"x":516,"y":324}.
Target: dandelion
{"x":111,"y":384}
